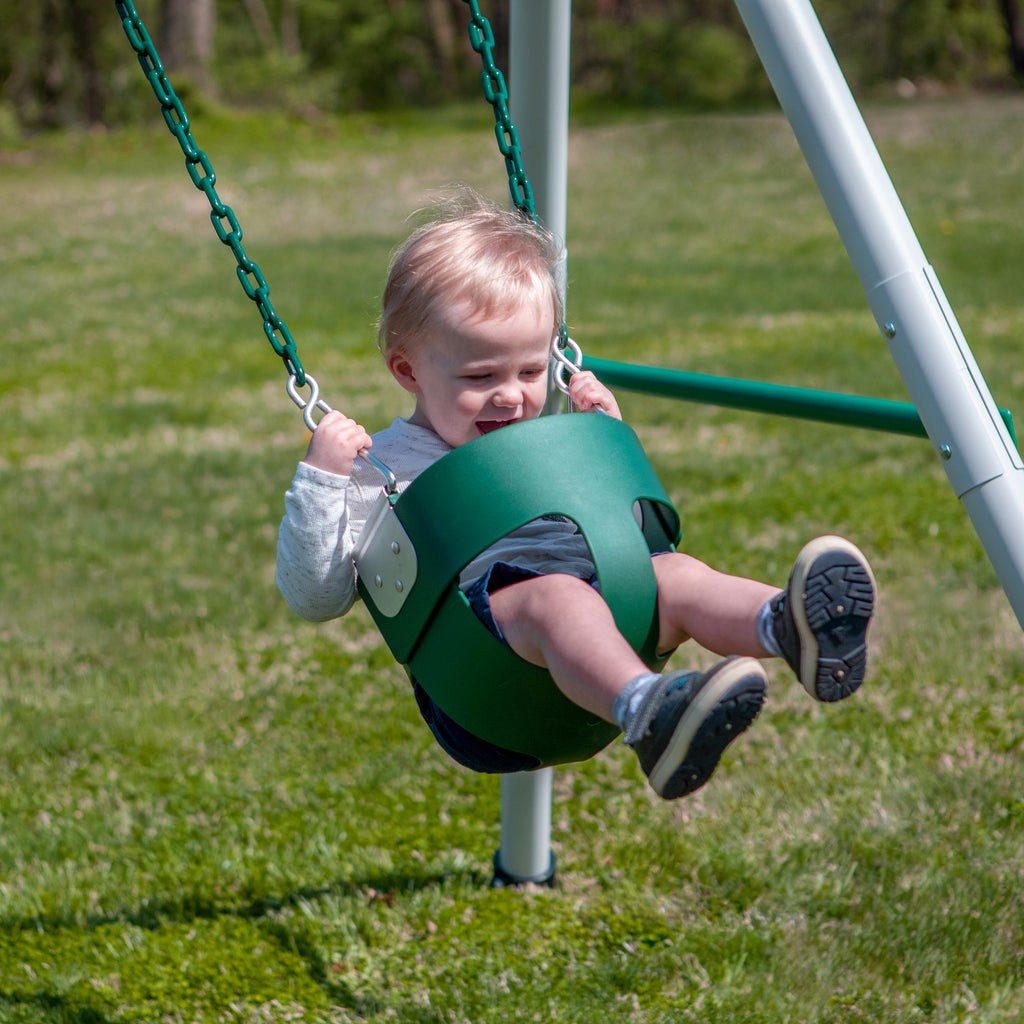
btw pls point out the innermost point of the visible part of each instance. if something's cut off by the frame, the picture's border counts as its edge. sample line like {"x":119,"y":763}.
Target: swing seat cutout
{"x":589,"y":468}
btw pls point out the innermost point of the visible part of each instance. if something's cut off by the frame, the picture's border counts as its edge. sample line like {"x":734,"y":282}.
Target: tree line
{"x":67,"y":63}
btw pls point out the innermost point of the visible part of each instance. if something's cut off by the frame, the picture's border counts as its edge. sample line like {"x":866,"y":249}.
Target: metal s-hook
{"x":562,"y":363}
{"x":307,"y":405}
{"x":315,"y":403}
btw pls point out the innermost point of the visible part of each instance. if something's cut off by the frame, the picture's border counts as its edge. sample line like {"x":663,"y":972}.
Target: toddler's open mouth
{"x":489,"y":426}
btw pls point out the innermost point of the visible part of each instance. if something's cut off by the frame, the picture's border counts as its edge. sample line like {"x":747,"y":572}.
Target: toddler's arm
{"x":315,"y":571}
{"x":588,"y":394}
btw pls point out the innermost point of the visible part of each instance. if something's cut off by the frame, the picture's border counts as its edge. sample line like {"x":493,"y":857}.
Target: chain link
{"x":200,"y":170}
{"x":568,"y":357}
{"x":481,"y":38}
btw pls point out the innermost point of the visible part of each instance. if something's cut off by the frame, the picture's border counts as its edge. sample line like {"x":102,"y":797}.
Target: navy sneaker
{"x":687,"y":719}
{"x":821,"y":618}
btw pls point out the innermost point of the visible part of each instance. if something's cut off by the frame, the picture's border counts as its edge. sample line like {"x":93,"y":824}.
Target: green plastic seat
{"x":587,"y":467}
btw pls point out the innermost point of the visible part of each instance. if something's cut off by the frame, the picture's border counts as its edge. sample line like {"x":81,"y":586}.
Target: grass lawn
{"x":211,"y":811}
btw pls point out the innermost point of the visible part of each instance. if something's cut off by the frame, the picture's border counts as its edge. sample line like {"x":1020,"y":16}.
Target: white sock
{"x":629,"y":698}
{"x":766,"y":630}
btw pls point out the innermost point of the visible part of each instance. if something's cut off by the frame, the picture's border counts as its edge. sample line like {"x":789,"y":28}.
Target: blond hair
{"x":470,"y":251}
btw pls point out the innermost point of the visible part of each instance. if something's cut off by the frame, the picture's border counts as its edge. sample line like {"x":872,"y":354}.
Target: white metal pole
{"x":525,"y":852}
{"x":904,"y":294}
{"x":539,"y":105}
{"x":539,"y":100}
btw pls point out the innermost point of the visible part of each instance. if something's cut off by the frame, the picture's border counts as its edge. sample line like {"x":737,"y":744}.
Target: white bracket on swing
{"x":385,"y":558}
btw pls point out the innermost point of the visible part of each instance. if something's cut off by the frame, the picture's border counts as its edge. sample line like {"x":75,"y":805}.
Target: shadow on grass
{"x":49,"y":1007}
{"x":37,"y":1004}
{"x":153,"y":914}
{"x":383,"y":888}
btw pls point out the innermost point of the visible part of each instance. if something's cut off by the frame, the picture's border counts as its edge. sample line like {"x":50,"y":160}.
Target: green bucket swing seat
{"x":587,"y":467}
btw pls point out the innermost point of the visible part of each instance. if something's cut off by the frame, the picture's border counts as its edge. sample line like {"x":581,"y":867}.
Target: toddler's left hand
{"x":588,"y":394}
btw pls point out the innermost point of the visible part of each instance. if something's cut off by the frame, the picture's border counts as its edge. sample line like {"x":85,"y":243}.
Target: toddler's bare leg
{"x":562,"y":624}
{"x":717,"y":610}
{"x":678,"y":724}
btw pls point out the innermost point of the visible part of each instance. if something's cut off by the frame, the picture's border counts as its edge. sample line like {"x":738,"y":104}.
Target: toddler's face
{"x":475,"y":375}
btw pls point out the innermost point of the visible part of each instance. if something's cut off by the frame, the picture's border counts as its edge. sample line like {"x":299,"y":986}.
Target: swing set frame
{"x":951,"y":403}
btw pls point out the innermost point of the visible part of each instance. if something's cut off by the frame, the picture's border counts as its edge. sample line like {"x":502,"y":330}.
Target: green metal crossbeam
{"x":777,"y":399}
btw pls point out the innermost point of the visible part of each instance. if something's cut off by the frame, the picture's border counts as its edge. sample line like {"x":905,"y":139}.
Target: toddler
{"x":471,"y":312}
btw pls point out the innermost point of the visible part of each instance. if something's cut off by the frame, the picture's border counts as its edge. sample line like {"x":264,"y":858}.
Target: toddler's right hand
{"x":336,"y":443}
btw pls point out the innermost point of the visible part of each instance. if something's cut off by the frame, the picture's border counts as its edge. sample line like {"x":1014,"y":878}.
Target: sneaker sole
{"x":836,"y":585}
{"x":724,"y":707}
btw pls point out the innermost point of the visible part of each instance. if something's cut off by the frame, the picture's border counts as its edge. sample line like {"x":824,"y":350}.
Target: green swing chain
{"x":229,"y":231}
{"x":204,"y":178}
{"x":481,"y":38}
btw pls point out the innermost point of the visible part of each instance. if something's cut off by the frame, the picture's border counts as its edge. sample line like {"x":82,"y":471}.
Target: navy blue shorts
{"x":460,"y":744}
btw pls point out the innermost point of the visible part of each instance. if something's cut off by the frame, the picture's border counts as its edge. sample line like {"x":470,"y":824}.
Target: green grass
{"x":211,"y":811}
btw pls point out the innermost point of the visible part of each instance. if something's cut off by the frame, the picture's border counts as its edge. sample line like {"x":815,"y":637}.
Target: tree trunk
{"x":1011,"y":12}
{"x":186,"y":38}
{"x":441,"y":19}
{"x":260,"y":19}
{"x":290,"y":28}
{"x":85,"y":32}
